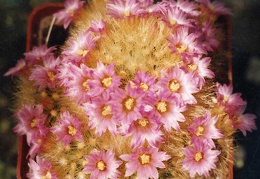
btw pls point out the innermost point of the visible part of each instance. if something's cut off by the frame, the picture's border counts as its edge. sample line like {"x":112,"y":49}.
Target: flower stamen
{"x":129,"y":103}
{"x":199,"y":131}
{"x":50,"y":75}
{"x":72,"y":130}
{"x":174,"y":86}
{"x":161,"y":106}
{"x":106,"y":110}
{"x":107,"y":82}
{"x":144,"y":86}
{"x":198,"y":156}
{"x":143,"y":122}
{"x":145,"y":159}
{"x":101,"y":165}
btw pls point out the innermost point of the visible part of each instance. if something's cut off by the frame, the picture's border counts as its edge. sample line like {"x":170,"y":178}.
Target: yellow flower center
{"x":33,"y":122}
{"x":129,"y":103}
{"x":82,"y":53}
{"x":192,"y":67}
{"x":106,"y":110}
{"x":50,"y":75}
{"x":212,"y":7}
{"x":72,"y":130}
{"x":85,"y":85}
{"x":181,"y":48}
{"x":107,"y":82}
{"x":199,"y":131}
{"x":225,"y":99}
{"x":172,"y":22}
{"x":47,"y":176}
{"x":71,"y":11}
{"x":174,"y":86}
{"x":145,"y":159}
{"x":161,"y":106}
{"x":126,"y":12}
{"x":198,"y":156}
{"x":143,"y":122}
{"x":101,"y":165}
{"x":144,"y":86}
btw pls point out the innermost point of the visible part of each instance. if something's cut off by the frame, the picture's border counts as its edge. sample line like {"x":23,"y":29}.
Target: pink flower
{"x":45,"y":75}
{"x":199,"y":68}
{"x":188,"y":7}
{"x":67,"y":15}
{"x":179,"y":84}
{"x":128,"y":105}
{"x":31,"y":123}
{"x":174,"y":16}
{"x":243,"y":122}
{"x":40,"y":169}
{"x":35,"y":146}
{"x":79,"y":48}
{"x":145,"y":82}
{"x":208,"y":37}
{"x":76,"y":82}
{"x":67,"y":128}
{"x":167,"y":110}
{"x":228,"y":100}
{"x":98,"y":26}
{"x":199,"y":159}
{"x":104,"y":80}
{"x":145,"y":162}
{"x":145,"y":129}
{"x":185,"y":43}
{"x":38,"y":54}
{"x":102,"y":165}
{"x":124,"y":8}
{"x":101,"y":115}
{"x":17,"y":69}
{"x":215,"y":7}
{"x":203,"y":129}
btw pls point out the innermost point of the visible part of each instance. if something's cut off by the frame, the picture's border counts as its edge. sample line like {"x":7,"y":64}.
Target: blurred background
{"x":246,"y":78}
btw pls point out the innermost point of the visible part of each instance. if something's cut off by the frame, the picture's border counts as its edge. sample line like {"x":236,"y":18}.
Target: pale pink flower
{"x":145,"y":82}
{"x":208,"y":37}
{"x":178,"y":83}
{"x":174,"y":16}
{"x":40,"y":169}
{"x":76,"y":83}
{"x":203,"y":129}
{"x":98,"y":26}
{"x":145,"y":162}
{"x":145,"y":129}
{"x":215,"y":7}
{"x":45,"y":75}
{"x":102,"y":165}
{"x":31,"y":123}
{"x":38,"y":54}
{"x":228,"y":100}
{"x":35,"y":147}
{"x":79,"y":48}
{"x":101,"y":115}
{"x":68,"y":128}
{"x":168,"y":111}
{"x":124,"y":8}
{"x":104,"y":80}
{"x":243,"y":122}
{"x":67,"y":15}
{"x":199,"y":67}
{"x":186,"y":6}
{"x":18,"y":69}
{"x":185,"y":43}
{"x":199,"y":159}
{"x":129,"y":102}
